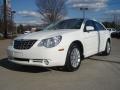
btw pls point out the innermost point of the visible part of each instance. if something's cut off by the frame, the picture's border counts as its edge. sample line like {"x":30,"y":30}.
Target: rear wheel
{"x":73,"y":59}
{"x":107,"y":49}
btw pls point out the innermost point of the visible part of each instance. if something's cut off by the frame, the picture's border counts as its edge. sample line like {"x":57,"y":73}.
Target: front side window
{"x":89,"y":23}
{"x":66,"y":24}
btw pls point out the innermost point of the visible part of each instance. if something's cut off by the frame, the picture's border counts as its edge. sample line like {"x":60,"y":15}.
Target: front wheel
{"x":107,"y":49}
{"x":73,"y":59}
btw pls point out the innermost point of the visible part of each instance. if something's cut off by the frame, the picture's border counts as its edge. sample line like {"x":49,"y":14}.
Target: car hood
{"x":45,"y":34}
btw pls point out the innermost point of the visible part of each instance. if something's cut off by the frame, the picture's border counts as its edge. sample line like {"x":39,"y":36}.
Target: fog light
{"x":46,"y":62}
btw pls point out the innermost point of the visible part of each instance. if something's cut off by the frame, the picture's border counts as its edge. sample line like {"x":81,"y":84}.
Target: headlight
{"x":50,"y":42}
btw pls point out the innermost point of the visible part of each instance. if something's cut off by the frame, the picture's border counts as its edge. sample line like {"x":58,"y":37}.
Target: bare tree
{"x":51,"y":10}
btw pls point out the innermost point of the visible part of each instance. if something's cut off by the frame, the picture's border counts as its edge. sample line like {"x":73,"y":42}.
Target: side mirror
{"x":90,"y":28}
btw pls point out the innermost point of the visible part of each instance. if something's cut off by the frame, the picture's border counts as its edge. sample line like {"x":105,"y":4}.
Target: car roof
{"x":84,"y":19}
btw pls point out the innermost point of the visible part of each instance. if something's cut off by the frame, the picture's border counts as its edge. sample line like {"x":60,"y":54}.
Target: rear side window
{"x":98,"y":26}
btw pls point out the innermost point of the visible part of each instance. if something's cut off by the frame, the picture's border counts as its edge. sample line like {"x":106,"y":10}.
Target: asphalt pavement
{"x":95,"y":73}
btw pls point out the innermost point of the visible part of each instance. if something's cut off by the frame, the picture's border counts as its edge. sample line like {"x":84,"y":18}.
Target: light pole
{"x":12,"y":19}
{"x":83,"y":9}
{"x":5,"y":19}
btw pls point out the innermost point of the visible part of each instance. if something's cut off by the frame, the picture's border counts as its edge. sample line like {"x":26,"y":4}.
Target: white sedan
{"x":64,"y":43}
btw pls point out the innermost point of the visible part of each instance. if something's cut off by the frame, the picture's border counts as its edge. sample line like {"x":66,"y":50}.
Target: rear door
{"x":102,"y":33}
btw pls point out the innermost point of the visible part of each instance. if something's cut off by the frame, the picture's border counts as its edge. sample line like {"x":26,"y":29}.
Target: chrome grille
{"x":23,"y":44}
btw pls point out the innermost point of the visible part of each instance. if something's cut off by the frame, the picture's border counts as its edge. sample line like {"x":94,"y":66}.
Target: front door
{"x":91,"y":39}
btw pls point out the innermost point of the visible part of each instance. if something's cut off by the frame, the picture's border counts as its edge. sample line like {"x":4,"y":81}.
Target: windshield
{"x":66,"y":24}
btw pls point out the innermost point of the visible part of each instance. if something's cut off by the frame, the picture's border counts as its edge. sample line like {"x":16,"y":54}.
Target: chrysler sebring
{"x":64,"y":43}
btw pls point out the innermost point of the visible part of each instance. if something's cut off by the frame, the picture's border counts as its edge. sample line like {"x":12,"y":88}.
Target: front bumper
{"x":37,"y":56}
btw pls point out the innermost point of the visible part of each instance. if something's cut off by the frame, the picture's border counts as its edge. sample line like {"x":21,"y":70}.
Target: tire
{"x":73,"y":59}
{"x":107,"y":49}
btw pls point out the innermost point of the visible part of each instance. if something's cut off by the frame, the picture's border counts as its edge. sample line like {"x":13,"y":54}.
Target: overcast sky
{"x":26,"y":10}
